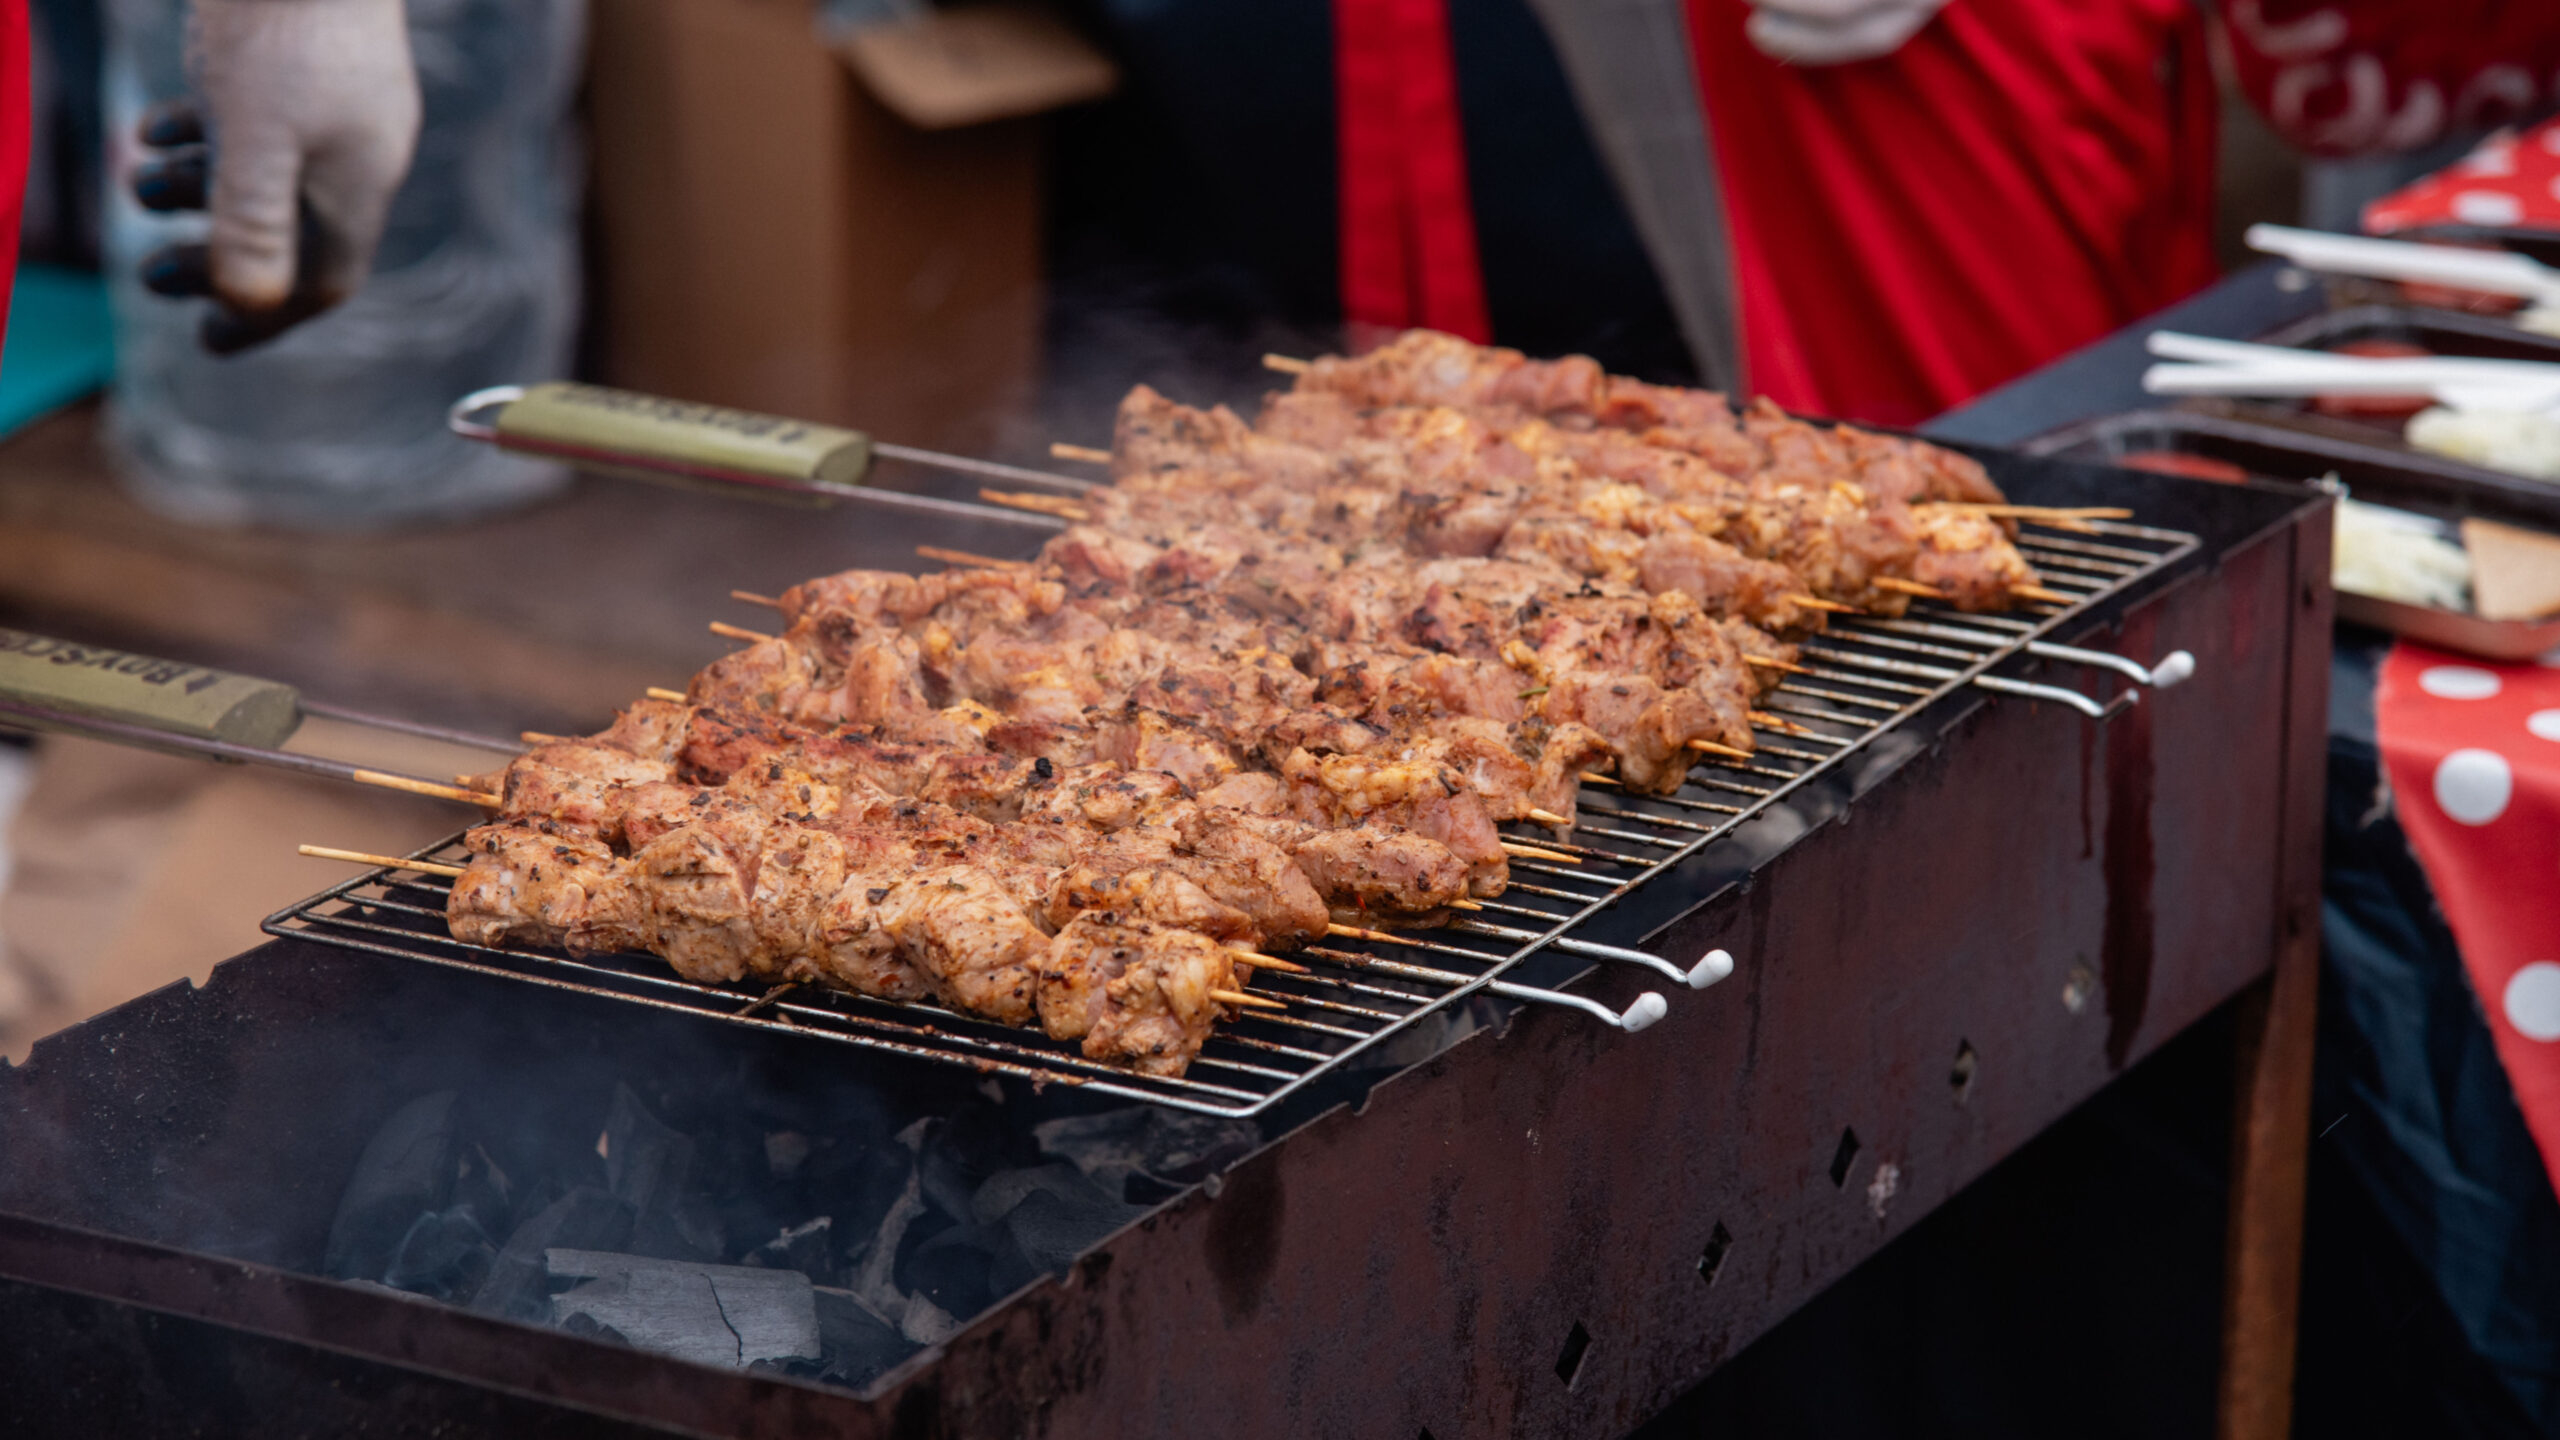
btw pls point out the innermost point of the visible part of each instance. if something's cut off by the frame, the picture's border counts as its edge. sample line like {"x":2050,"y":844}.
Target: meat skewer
{"x":1392,"y":645}
{"x":1460,"y":481}
{"x":1135,"y":989}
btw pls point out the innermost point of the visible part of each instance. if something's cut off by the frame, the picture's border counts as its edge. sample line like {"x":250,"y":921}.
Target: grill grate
{"x":1865,"y":676}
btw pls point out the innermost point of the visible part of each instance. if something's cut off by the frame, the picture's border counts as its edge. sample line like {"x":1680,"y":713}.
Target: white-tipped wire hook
{"x":2172,"y":668}
{"x":1714,"y":966}
{"x":1643,"y":1011}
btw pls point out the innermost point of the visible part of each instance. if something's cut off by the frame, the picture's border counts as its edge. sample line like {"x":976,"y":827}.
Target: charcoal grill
{"x":1502,"y":1222}
{"x":1865,"y":676}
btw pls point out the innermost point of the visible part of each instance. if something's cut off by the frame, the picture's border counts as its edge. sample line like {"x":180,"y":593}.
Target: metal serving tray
{"x":2306,"y":449}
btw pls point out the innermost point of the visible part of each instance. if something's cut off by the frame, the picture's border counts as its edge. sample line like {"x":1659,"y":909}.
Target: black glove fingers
{"x":179,"y":271}
{"x":173,"y":122}
{"x":227,"y":331}
{"x":178,"y":181}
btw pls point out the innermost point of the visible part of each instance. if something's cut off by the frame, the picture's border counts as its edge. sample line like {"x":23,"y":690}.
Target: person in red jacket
{"x":1877,"y":209}
{"x":313,"y":105}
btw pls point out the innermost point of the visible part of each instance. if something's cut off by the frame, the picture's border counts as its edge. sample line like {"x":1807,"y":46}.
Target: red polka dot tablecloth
{"x":2510,"y":182}
{"x":2472,"y":750}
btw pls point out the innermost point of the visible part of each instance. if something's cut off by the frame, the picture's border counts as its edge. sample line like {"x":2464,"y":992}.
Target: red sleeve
{"x":17,"y":118}
{"x":2020,"y":178}
{"x":2363,"y":77}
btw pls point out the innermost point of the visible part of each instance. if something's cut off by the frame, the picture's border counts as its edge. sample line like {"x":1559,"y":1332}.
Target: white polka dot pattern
{"x":2473,"y":786}
{"x":2487,"y":207}
{"x":2458,"y":682}
{"x":2532,"y":1001}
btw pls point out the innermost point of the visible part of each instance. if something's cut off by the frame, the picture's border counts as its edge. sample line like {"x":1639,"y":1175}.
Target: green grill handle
{"x":91,"y":680}
{"x":623,"y":432}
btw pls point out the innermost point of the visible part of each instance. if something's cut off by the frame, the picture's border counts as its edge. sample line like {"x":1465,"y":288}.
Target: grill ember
{"x":1279,"y":677}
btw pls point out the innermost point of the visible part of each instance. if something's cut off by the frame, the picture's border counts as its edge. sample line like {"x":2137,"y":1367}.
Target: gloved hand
{"x":311,"y":107}
{"x":1835,"y":32}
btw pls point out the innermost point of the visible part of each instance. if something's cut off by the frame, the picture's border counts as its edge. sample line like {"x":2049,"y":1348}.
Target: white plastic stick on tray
{"x":2492,"y":271}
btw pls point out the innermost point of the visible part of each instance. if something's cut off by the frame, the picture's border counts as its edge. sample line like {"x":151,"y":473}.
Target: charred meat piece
{"x":1135,"y":992}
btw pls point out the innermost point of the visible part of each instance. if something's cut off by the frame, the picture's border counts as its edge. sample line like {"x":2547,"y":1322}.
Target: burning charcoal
{"x":785,"y":1151}
{"x":1052,"y":1229}
{"x":585,"y":1218}
{"x":587,"y":1327}
{"x":1144,"y":1154}
{"x":488,"y":1190}
{"x":804,"y":1248}
{"x":952,"y":1268}
{"x":874,"y":1282}
{"x":649,"y":1166}
{"x":725,"y":1315}
{"x":856,"y":1185}
{"x":406,"y":1170}
{"x":445,"y":1255}
{"x":858,"y":1344}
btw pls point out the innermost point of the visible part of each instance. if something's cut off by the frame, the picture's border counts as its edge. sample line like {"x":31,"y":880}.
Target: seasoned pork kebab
{"x":1230,"y":651}
{"x":1290,"y":673}
{"x":1739,"y":514}
{"x":1104,"y":902}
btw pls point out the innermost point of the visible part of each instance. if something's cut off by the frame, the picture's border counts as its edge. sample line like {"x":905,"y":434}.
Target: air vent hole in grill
{"x":1577,"y":1344}
{"x":1711,"y":1260}
{"x":1960,"y":1076}
{"x":1843,"y":1157}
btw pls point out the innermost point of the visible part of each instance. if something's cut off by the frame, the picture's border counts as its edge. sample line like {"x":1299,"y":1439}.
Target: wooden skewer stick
{"x":1709,"y":747}
{"x":1776,"y":722}
{"x":661,"y":692}
{"x":1249,"y":1002}
{"x":1286,"y":364}
{"x":969,"y":560}
{"x":1532,"y":852}
{"x":1766,"y":663}
{"x":767,"y":998}
{"x":426,"y":787}
{"x":537,"y":737}
{"x":1058,"y":505}
{"x":1816,"y":602}
{"x":727,"y":631}
{"x":1260,"y":961}
{"x":1901,"y":586}
{"x":1594,"y":777}
{"x":1354,"y":932}
{"x":1086,"y":453}
{"x":387,"y":862}
{"x":752,"y":598}
{"x":2038,"y":592}
{"x":1549,"y":817}
{"x":1464,"y":905}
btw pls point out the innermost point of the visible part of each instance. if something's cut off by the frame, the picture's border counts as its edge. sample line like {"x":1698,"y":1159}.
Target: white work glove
{"x":1835,"y":32}
{"x":311,"y":108}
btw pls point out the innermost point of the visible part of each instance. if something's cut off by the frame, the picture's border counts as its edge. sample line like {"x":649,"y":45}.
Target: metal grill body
{"x":1864,"y":676}
{"x":1416,"y":1245}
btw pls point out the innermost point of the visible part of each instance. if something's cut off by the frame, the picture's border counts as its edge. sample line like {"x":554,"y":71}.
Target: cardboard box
{"x":773,"y":236}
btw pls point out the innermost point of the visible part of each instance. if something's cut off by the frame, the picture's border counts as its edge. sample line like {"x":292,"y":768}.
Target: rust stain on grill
{"x":1244,"y":1237}
{"x":2125,"y":962}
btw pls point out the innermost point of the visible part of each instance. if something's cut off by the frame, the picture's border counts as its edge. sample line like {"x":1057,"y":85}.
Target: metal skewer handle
{"x":623,"y":432}
{"x":175,"y":698}
{"x":145,"y":737}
